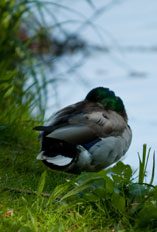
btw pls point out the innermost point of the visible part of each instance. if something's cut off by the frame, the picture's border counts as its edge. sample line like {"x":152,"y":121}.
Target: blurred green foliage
{"x":25,"y":42}
{"x":15,"y":60}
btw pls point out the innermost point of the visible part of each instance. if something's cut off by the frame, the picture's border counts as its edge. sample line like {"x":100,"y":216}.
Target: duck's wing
{"x":69,"y":125}
{"x":82,"y":123}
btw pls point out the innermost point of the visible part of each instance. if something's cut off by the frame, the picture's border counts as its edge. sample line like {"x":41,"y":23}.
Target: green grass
{"x":22,"y":174}
{"x":43,"y":200}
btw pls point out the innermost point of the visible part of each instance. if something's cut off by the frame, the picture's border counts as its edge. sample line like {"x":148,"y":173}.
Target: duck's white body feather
{"x":110,"y":149}
{"x":101,"y":155}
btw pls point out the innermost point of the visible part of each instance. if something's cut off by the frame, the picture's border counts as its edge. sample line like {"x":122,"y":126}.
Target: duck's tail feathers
{"x":43,"y":128}
{"x":57,"y":154}
{"x":59,"y":160}
{"x":40,"y":155}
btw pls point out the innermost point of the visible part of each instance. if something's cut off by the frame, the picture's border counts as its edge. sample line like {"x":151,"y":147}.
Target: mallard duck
{"x":87,"y":136}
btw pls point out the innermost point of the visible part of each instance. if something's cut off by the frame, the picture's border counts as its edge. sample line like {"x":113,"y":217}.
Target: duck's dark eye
{"x":105,"y":116}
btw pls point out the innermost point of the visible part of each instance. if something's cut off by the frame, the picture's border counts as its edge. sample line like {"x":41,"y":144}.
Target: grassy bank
{"x":33,"y":198}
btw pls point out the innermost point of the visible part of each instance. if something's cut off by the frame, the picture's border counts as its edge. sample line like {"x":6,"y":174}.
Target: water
{"x":128,"y":28}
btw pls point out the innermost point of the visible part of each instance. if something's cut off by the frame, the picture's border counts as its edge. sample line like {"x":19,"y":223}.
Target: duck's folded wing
{"x":69,"y":125}
{"x":82,"y":122}
{"x":73,"y":134}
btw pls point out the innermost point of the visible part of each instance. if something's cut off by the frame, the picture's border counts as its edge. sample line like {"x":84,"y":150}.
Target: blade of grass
{"x":142,"y":164}
{"x":41,"y":183}
{"x":153,"y":170}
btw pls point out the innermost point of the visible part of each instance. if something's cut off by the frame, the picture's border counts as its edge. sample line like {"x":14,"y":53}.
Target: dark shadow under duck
{"x":87,"y":136}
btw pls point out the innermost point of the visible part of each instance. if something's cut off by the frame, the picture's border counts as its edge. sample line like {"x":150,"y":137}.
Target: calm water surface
{"x":129,"y":30}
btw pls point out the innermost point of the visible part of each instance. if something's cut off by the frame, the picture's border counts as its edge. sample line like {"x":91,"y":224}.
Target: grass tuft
{"x":143,"y":165}
{"x":42,"y":200}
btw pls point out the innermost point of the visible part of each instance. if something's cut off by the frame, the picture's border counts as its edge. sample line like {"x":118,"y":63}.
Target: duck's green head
{"x":107,"y":99}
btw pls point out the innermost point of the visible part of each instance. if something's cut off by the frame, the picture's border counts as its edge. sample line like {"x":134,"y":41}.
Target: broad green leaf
{"x":118,"y":202}
{"x":147,"y":217}
{"x":81,"y":187}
